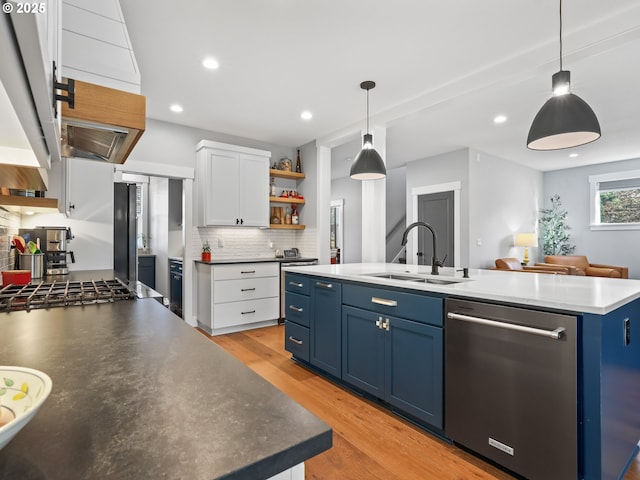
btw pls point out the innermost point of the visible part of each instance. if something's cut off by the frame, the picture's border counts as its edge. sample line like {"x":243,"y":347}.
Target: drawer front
{"x":421,"y":308}
{"x":245,"y":270}
{"x":296,"y":308}
{"x":242,"y":313}
{"x":297,"y":283}
{"x":246,"y":289}
{"x":296,"y":340}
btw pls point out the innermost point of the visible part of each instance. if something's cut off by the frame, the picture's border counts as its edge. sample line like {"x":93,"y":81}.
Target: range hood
{"x":101,"y":123}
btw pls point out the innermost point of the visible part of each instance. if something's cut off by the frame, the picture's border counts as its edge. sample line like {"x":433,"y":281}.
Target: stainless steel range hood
{"x":103,"y":124}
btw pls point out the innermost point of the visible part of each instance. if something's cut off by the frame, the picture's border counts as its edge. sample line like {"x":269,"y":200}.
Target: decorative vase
{"x":206,"y":256}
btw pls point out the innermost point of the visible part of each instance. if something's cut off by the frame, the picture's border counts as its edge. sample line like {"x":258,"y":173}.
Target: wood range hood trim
{"x":102,"y":110}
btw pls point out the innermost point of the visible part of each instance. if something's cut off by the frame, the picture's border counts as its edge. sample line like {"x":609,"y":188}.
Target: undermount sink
{"x":417,"y":278}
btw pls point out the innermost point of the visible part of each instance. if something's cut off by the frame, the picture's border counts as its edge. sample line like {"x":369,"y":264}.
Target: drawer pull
{"x":248,"y":271}
{"x":295,"y":340}
{"x":324,"y":285}
{"x":247,"y":312}
{"x":247,"y":289}
{"x":295,"y":309}
{"x":295,"y":284}
{"x":384,"y":301}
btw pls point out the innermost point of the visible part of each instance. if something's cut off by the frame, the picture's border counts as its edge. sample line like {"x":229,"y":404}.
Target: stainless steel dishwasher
{"x":511,"y":387}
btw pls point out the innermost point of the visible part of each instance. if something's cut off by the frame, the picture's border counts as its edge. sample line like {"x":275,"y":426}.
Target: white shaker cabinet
{"x":232,"y":184}
{"x":237,"y":296}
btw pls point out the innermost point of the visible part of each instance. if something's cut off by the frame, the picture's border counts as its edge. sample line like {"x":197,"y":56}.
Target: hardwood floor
{"x":369,"y":443}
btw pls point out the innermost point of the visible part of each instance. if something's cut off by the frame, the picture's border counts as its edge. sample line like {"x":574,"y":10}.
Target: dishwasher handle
{"x":553,"y":334}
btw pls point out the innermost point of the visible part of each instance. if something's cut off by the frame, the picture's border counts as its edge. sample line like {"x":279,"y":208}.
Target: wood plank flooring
{"x":369,"y":443}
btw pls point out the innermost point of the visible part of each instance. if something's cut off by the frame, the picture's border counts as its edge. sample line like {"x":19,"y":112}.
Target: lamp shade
{"x":368,"y":164}
{"x":564,"y":121}
{"x":526,"y":240}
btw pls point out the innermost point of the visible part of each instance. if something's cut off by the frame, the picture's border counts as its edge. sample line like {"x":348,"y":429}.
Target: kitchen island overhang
{"x":139,"y":394}
{"x":608,"y":316}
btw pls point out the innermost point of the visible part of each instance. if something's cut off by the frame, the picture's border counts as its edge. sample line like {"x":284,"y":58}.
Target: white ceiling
{"x":443,"y":71}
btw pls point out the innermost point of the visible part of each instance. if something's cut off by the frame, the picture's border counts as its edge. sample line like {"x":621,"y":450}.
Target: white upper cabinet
{"x":232,"y":184}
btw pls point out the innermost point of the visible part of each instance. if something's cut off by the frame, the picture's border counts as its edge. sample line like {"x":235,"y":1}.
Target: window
{"x":615,"y":201}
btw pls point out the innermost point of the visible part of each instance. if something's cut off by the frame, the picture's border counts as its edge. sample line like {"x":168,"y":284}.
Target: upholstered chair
{"x":585,"y":268}
{"x":514,"y":265}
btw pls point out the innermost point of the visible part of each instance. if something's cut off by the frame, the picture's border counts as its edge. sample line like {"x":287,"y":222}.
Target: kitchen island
{"x":139,"y":394}
{"x":381,"y":329}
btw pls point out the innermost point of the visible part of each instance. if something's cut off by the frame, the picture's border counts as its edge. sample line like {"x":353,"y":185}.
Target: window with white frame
{"x":615,"y":201}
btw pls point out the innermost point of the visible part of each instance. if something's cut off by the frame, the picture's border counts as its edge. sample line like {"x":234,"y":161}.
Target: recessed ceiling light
{"x":306,"y":115}
{"x":210,"y":63}
{"x":176,"y":108}
{"x":500,"y":119}
{"x":573,"y":155}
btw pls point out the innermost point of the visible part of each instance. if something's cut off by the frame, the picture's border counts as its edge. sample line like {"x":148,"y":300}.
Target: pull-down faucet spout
{"x":435,"y":263}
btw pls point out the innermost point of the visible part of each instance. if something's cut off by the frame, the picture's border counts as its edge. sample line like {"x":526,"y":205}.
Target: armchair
{"x":514,"y":265}
{"x":585,"y":268}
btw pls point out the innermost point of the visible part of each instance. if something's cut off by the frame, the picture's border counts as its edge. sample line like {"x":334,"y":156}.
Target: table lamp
{"x":526,"y":240}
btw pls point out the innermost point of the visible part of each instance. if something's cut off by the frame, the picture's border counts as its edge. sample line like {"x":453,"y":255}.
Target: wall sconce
{"x":526,"y":240}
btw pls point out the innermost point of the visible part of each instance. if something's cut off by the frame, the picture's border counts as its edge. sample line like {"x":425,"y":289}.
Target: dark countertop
{"x":139,"y":394}
{"x":221,"y":261}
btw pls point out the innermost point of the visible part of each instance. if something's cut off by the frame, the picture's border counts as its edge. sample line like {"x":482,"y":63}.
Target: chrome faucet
{"x":435,"y":263}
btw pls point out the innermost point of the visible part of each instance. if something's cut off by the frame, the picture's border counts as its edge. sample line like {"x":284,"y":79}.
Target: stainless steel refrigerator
{"x":124,"y":232}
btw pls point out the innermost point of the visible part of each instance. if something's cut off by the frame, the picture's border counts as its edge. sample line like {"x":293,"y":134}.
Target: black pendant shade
{"x":368,"y":164}
{"x":565,"y":120}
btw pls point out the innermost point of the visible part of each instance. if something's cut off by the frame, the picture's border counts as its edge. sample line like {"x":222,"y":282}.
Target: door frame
{"x":436,"y":188}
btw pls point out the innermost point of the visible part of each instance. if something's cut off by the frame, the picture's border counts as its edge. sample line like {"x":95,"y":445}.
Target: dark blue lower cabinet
{"x":414,"y":369}
{"x":325,"y":326}
{"x":363,"y":350}
{"x":399,"y":361}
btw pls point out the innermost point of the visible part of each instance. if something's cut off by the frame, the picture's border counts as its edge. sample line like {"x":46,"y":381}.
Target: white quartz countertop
{"x":560,"y":292}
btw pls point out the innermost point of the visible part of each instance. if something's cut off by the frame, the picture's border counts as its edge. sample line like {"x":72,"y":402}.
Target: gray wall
{"x":613,"y":247}
{"x":445,"y":168}
{"x":396,"y":209}
{"x":351,"y":192}
{"x":504,"y":199}
{"x":174,"y":144}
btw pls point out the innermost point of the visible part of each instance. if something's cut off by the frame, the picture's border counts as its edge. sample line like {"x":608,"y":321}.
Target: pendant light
{"x":565,"y":120}
{"x":368,"y":164}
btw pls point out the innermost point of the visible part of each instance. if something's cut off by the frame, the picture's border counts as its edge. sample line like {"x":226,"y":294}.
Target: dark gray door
{"x":436,"y":209}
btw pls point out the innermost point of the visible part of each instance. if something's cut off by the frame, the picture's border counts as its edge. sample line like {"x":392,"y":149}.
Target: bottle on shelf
{"x":298,"y":166}
{"x":287,"y":218}
{"x":272,"y":188}
{"x":294,"y":215}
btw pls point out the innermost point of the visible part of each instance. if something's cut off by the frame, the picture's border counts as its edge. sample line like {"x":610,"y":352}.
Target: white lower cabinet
{"x":238,"y":296}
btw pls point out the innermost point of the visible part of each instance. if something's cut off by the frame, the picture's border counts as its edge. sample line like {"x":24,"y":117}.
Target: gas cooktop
{"x":62,"y":294}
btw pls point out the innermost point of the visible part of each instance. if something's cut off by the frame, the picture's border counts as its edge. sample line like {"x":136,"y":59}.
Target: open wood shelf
{"x":286,"y":200}
{"x":19,"y":204}
{"x":284,"y":226}
{"x":285,"y":174}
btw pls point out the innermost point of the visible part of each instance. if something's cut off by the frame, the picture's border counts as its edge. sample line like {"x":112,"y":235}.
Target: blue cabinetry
{"x":147,"y":270}
{"x":298,"y":315}
{"x":175,"y":286}
{"x":325,"y":325}
{"x":395,"y":359}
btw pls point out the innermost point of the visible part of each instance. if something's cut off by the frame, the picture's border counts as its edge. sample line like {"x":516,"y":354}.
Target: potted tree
{"x":555,"y":230}
{"x":206,"y":251}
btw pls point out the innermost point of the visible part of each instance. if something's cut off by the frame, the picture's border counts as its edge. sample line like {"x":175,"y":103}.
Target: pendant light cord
{"x":367,"y":110}
{"x":560,"y":35}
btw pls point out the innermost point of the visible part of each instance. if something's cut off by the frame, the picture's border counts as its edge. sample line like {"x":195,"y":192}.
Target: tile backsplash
{"x":246,"y":242}
{"x":9,"y":224}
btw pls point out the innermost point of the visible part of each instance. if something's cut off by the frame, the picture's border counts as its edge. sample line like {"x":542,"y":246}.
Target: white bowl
{"x":22,"y":393}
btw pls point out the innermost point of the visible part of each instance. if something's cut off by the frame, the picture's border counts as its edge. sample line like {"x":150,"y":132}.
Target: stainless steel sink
{"x":418,"y":278}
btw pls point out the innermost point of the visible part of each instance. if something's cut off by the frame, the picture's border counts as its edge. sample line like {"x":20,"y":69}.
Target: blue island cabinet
{"x":313,"y":321}
{"x":325,"y":326}
{"x":398,"y":360}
